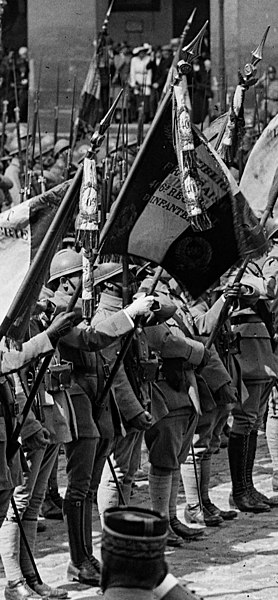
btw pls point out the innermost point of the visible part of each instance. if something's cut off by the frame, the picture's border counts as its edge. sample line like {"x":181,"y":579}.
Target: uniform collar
{"x":110,"y":302}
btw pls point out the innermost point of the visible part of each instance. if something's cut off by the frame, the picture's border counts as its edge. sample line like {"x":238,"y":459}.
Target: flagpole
{"x":222,"y":66}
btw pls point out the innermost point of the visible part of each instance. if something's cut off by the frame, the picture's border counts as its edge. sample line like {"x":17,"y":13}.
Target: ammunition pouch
{"x":58,"y":377}
{"x":228,"y":343}
{"x":148,"y":370}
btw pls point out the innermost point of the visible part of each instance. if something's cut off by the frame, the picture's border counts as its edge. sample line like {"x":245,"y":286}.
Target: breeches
{"x":85,"y":462}
{"x":169,"y":440}
{"x":249,"y":415}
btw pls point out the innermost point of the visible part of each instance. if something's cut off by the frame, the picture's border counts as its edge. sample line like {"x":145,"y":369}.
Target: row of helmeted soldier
{"x":170,"y":395}
{"x":169,"y":390}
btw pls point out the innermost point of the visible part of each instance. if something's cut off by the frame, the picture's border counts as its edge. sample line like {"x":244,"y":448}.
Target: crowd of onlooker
{"x":143,"y":71}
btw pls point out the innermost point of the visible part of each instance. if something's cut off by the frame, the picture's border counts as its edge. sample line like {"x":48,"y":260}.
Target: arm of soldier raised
{"x":205,"y":318}
{"x":100,"y":333}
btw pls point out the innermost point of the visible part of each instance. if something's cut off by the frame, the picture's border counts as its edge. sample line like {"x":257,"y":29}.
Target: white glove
{"x":140,"y":306}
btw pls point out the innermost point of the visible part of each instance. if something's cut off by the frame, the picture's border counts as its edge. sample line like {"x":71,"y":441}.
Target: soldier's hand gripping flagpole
{"x":101,"y":402}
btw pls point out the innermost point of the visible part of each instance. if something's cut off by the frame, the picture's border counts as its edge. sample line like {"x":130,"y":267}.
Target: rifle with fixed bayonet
{"x":41,"y":178}
{"x":71,"y":133}
{"x":4,"y":123}
{"x":112,"y":172}
{"x":17,"y":122}
{"x":56,"y":107}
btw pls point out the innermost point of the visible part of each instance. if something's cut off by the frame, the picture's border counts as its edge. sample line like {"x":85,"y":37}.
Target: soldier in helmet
{"x":252,"y":320}
{"x":132,"y":406}
{"x":58,"y":169}
{"x":142,"y":404}
{"x":36,"y":437}
{"x":86,"y":451}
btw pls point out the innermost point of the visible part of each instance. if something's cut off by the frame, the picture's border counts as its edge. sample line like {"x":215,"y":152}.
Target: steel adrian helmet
{"x":65,"y":262}
{"x":47,"y":145}
{"x":60,"y":146}
{"x":109,"y":270}
{"x":106,"y":271}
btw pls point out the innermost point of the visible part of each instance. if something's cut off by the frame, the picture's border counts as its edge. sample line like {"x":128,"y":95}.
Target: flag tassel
{"x":186,"y":155}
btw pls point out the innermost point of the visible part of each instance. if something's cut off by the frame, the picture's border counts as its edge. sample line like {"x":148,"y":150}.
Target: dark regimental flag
{"x":22,"y":231}
{"x":150,"y":219}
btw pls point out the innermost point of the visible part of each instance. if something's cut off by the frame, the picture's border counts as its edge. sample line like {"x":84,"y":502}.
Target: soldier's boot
{"x":160,"y":487}
{"x":252,"y":447}
{"x":241,"y":498}
{"x":44,"y":590}
{"x":184,"y":531}
{"x":87,"y":532}
{"x":191,"y":477}
{"x":50,"y":509}
{"x":209,"y":507}
{"x":80,"y":567}
{"x":19,"y":590}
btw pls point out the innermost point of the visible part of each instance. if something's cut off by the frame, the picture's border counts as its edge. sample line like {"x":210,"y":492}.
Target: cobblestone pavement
{"x":237,"y":561}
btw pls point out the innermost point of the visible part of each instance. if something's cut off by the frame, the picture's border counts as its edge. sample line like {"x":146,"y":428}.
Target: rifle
{"x":4,"y":123}
{"x":71,"y":135}
{"x":112,"y":172}
{"x":35,"y":116}
{"x":41,"y":178}
{"x":56,"y":107}
{"x":17,"y":122}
